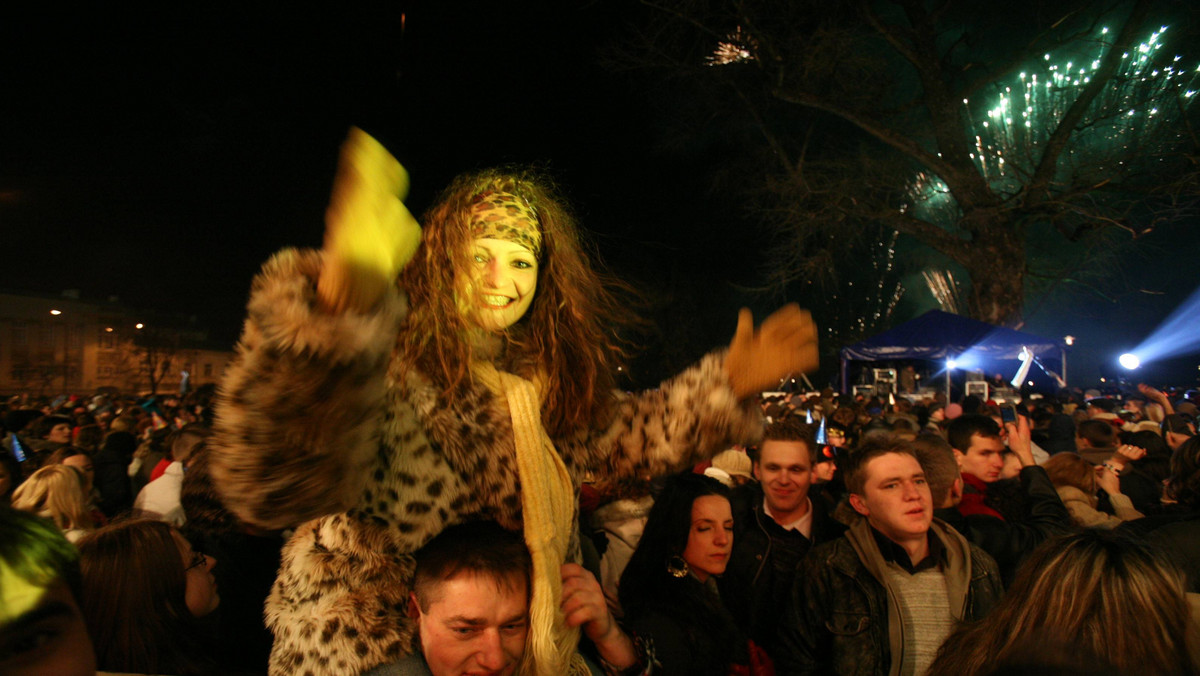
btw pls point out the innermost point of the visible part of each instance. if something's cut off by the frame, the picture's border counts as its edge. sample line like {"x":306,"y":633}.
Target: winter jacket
{"x":621,"y":522}
{"x":1085,"y":514}
{"x":762,"y":566}
{"x":842,"y":618}
{"x":1009,"y":541}
{"x":318,"y":426}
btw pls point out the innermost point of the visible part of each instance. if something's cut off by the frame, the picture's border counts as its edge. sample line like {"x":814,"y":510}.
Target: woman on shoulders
{"x":405,"y":379}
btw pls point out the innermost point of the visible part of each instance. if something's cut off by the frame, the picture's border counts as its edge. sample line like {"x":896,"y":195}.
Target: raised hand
{"x":786,"y":343}
{"x":1020,"y":440}
{"x":1107,"y":480}
{"x":1126,"y":454}
{"x":583,"y":605}
{"x":369,"y":233}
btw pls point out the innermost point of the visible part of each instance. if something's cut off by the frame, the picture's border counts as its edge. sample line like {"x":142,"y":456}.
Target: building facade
{"x":55,"y":345}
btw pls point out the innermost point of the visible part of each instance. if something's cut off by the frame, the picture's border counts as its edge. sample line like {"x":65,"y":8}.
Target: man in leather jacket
{"x":881,"y":599}
{"x":775,"y":524}
{"x":1008,"y":538}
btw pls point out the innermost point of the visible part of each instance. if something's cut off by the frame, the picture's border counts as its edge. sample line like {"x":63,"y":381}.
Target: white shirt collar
{"x":803,"y":525}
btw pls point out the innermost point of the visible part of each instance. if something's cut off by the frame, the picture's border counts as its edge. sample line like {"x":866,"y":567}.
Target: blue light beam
{"x":1177,"y":335}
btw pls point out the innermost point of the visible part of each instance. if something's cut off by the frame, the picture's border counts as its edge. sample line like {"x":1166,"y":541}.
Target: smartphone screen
{"x":17,"y":450}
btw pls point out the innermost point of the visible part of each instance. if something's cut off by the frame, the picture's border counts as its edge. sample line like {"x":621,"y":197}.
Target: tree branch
{"x":1038,"y":188}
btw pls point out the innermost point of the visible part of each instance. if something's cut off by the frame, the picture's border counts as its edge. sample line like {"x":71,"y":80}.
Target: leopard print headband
{"x":502,"y":215}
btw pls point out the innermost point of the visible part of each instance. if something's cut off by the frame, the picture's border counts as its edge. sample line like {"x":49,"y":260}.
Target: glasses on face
{"x":198,"y":560}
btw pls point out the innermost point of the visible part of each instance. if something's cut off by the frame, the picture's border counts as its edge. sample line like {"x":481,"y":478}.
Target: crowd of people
{"x":419,"y":463}
{"x":854,"y":537}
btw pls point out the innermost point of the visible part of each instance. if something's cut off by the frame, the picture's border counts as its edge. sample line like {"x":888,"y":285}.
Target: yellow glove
{"x":786,"y":343}
{"x":369,"y":233}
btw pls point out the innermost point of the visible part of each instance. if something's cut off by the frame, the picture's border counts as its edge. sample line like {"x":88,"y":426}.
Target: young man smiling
{"x":775,"y":525}
{"x":881,"y":599}
{"x":471,"y":602}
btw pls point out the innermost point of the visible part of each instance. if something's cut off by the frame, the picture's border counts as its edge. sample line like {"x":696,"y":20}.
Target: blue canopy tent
{"x":938,"y":335}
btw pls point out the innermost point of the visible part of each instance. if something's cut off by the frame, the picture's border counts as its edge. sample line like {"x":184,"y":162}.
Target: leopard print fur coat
{"x":317,"y":430}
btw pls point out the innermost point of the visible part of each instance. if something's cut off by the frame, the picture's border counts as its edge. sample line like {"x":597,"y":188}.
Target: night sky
{"x":162,"y":155}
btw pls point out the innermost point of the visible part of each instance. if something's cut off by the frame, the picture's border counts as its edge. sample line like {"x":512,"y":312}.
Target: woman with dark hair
{"x":1083,"y":591}
{"x":669,"y":589}
{"x":144,"y":592}
{"x":405,"y":379}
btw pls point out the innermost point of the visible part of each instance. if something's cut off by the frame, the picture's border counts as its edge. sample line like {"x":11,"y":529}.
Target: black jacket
{"x":1010,"y":540}
{"x":838,"y":621}
{"x":112,"y":475}
{"x":762,"y":567}
{"x":692,"y":632}
{"x":1175,"y":534}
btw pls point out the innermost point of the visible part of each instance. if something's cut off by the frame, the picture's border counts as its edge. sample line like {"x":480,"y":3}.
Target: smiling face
{"x":503,"y":283}
{"x":711,"y":537}
{"x":785,"y":470}
{"x":475,"y":624}
{"x":895,"y":497}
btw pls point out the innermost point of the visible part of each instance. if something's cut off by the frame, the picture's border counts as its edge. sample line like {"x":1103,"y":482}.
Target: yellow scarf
{"x":548,"y":507}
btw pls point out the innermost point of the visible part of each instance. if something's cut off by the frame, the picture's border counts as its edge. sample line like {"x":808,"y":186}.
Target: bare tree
{"x":969,"y":128}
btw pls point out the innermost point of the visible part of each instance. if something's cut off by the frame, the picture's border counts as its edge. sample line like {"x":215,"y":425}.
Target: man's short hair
{"x":1098,"y":433}
{"x":477,"y":548}
{"x":790,"y":429}
{"x":941,"y":468}
{"x":856,"y":471}
{"x":1104,"y":404}
{"x":965,"y":426}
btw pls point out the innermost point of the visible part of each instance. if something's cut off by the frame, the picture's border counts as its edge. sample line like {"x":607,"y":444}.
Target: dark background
{"x":161,"y":154}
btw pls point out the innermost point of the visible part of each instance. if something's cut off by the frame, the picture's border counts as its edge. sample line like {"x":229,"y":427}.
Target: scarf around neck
{"x":548,"y":511}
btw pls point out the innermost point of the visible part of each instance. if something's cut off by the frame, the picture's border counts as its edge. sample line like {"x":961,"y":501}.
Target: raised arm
{"x":706,"y":408}
{"x":298,"y":408}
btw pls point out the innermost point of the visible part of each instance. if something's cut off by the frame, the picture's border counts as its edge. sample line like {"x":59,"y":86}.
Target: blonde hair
{"x":1068,"y":469}
{"x":1081,"y":590}
{"x":56,"y":493}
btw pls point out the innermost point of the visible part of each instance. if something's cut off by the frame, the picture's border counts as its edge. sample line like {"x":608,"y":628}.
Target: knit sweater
{"x":924,"y":607}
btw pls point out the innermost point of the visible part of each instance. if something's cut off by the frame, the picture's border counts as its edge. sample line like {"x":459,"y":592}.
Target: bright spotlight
{"x":56,"y":312}
{"x":1129,"y":361}
{"x":951,"y":364}
{"x":1069,"y":340}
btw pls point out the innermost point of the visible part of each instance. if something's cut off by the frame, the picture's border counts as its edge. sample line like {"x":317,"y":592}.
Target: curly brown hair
{"x":570,"y":335}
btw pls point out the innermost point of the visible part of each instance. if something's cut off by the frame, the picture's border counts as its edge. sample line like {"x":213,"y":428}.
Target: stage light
{"x":1175,"y":336}
{"x":951,"y":364}
{"x":1069,"y":340}
{"x":1129,"y":361}
{"x":56,"y":312}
